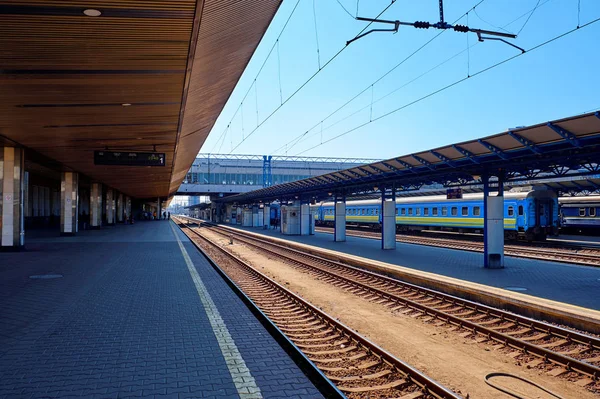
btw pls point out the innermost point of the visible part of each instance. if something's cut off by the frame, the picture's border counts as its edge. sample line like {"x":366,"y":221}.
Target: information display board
{"x":128,"y":158}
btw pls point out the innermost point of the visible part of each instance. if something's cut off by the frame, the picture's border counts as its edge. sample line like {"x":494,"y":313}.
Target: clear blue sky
{"x":555,"y":81}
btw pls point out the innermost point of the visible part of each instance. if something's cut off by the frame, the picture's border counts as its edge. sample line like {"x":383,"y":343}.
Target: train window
{"x":410,"y":211}
{"x":377,"y":211}
{"x":445,"y":211}
{"x":403,"y":211}
{"x":418,"y":211}
{"x":454,"y":211}
{"x":476,"y":211}
{"x":521,"y":211}
{"x":464,"y":211}
{"x":362,"y":212}
{"x":593,"y":212}
{"x":511,"y":211}
{"x":426,"y":211}
{"x":434,"y":211}
{"x":581,"y":211}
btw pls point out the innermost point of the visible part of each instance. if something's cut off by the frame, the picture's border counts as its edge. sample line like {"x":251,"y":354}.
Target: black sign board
{"x":454,"y":193}
{"x":128,"y":158}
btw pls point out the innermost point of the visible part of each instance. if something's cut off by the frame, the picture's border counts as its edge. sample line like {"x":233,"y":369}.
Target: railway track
{"x":557,"y":350}
{"x":358,"y":368}
{"x":588,"y":257}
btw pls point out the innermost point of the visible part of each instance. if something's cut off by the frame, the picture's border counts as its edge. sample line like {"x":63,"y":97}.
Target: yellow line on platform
{"x":240,"y":374}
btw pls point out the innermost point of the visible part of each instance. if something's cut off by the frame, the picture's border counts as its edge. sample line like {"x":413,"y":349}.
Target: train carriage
{"x":581,"y":214}
{"x":528,"y":214}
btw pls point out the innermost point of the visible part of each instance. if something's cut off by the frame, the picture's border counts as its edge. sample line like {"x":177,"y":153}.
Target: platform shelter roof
{"x":569,"y":146}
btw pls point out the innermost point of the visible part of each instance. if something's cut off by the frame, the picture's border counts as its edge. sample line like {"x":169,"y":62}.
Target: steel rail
{"x":428,"y":385}
{"x":569,"y":363}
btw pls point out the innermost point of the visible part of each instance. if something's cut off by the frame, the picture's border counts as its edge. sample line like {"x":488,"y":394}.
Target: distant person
{"x":154,"y":215}
{"x":164,"y":215}
{"x":168,"y":215}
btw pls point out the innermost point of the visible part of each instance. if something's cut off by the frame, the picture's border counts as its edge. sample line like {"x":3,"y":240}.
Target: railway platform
{"x":565,"y":283}
{"x":132,"y":311}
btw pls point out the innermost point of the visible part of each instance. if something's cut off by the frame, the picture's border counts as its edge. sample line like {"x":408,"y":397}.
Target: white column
{"x":110,"y":206}
{"x":266,"y":216}
{"x":304,"y":219}
{"x":389,"y":225}
{"x":96,"y":205}
{"x":12,"y":218}
{"x":69,"y":201}
{"x":120,"y":208}
{"x":339,"y":233}
{"x":494,"y":219}
{"x":240,"y":215}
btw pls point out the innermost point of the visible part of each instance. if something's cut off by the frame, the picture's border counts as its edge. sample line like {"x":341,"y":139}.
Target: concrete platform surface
{"x":132,"y":316}
{"x":571,"y":284}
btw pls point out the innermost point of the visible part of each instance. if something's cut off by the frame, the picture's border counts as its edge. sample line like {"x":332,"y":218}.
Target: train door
{"x":543,"y":212}
{"x":521,"y":217}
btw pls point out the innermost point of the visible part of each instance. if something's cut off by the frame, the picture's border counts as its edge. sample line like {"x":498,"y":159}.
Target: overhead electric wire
{"x":303,"y":136}
{"x":309,"y":80}
{"x":260,"y":69}
{"x":529,"y":17}
{"x":347,"y":12}
{"x":297,"y":139}
{"x":453,"y":84}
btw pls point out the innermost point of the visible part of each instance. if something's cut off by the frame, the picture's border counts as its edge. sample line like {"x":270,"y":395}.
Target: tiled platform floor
{"x":126,"y":320}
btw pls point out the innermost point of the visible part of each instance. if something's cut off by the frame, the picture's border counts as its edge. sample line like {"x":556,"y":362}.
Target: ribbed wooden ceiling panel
{"x":65,"y":75}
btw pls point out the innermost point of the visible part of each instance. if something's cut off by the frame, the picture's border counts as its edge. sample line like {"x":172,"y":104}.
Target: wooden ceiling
{"x":64,"y":77}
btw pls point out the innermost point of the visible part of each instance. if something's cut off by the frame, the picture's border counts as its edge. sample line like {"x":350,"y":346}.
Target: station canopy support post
{"x":69,"y":203}
{"x":304,"y":218}
{"x":120,"y":208}
{"x":493,"y":221}
{"x":266,"y":216}
{"x":96,"y":205}
{"x":339,"y":216}
{"x":388,"y":221}
{"x":12,"y":189}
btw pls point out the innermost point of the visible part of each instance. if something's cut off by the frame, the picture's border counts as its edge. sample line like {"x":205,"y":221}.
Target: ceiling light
{"x":126,"y":104}
{"x":90,"y":12}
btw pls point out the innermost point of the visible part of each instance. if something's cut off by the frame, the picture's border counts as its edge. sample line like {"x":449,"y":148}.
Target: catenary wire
{"x":276,"y":43}
{"x":452,"y":85}
{"x":304,"y":136}
{"x":290,"y":144}
{"x":529,"y":17}
{"x":309,"y":80}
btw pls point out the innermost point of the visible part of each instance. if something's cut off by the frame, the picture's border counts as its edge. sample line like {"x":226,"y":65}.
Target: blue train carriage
{"x":581,"y":214}
{"x":528,"y":215}
{"x":358,"y":213}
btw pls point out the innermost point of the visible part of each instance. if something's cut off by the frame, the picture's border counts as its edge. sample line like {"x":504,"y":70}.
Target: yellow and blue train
{"x":527,"y":215}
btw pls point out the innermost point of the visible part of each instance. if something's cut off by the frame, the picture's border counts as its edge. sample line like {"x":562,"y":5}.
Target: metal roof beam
{"x":570,"y":137}
{"x":406,"y":165}
{"x":390,"y":166}
{"x":443,"y":158}
{"x":468,"y":154}
{"x":495,"y":150}
{"x":527,"y":143}
{"x":423,"y":162}
{"x":364,"y":170}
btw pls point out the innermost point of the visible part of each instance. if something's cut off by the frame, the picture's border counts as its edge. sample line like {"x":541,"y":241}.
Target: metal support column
{"x":339,"y":230}
{"x":69,"y":203}
{"x":305,"y":221}
{"x":494,"y":225}
{"x":266,"y":216}
{"x":12,"y":217}
{"x":388,"y":222}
